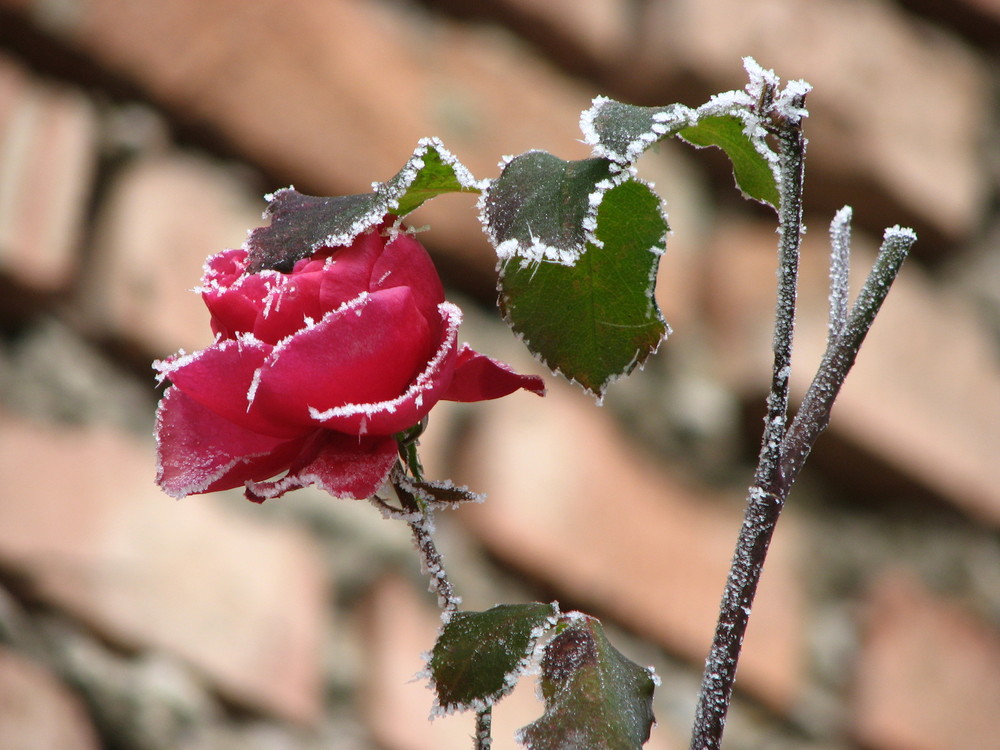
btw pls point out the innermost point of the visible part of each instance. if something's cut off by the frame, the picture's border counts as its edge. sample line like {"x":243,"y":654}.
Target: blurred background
{"x":138,"y":136}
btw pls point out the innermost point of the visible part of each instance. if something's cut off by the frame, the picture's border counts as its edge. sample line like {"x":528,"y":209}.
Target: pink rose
{"x":314,"y":372}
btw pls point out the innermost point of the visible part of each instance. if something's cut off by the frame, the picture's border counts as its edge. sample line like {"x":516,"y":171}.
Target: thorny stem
{"x":783,"y":451}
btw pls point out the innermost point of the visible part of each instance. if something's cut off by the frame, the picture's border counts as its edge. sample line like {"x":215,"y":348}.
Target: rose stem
{"x":783,"y":451}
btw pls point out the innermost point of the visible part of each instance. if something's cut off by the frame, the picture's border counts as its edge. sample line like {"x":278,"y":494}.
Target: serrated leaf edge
{"x":541,"y":252}
{"x":598,"y":393}
{"x":386,"y":195}
{"x":510,"y":679}
{"x":670,"y":119}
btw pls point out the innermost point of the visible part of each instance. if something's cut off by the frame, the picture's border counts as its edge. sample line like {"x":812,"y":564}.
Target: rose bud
{"x":314,"y":372}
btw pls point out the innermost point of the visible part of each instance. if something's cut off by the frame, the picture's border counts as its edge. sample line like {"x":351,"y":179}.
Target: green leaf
{"x":579,"y":247}
{"x":623,"y":132}
{"x":538,"y":208}
{"x":752,"y":170}
{"x":300,"y":224}
{"x":595,"y":698}
{"x":479,"y":655}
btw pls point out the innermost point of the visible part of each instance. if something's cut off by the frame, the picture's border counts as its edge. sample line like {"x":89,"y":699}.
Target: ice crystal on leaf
{"x":594,"y":696}
{"x":300,"y":224}
{"x":479,"y":656}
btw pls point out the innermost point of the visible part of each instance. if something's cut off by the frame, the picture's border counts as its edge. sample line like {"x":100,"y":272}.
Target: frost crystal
{"x":788,"y":102}
{"x":452,"y":316}
{"x":899,"y":233}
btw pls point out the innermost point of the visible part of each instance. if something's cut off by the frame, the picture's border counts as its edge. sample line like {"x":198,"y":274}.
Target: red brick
{"x":336,"y":94}
{"x":573,"y":504}
{"x":48,"y":150}
{"x":601,"y":28}
{"x":38,"y":712}
{"x":928,"y":673}
{"x":878,"y":77}
{"x":160,"y":221}
{"x":240,"y":600}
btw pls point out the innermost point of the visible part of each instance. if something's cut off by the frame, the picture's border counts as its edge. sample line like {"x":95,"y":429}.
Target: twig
{"x":767,"y":494}
{"x":784,"y":451}
{"x":421,"y":524}
{"x":484,"y":728}
{"x":842,"y":349}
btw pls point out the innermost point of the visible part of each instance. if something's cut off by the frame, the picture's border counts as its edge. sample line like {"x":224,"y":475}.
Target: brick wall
{"x":136,"y":138}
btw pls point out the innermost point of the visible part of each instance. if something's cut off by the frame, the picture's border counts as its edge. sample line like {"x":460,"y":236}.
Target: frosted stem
{"x":784,"y":451}
{"x":421,"y":524}
{"x":840,"y":269}
{"x":767,"y":494}
{"x":484,"y":728}
{"x":841,"y":352}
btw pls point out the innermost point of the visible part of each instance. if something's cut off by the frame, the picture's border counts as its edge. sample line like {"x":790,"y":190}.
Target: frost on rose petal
{"x":426,"y":381}
{"x":300,"y":224}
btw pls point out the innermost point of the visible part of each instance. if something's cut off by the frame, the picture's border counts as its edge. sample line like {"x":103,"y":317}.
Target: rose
{"x":314,"y":372}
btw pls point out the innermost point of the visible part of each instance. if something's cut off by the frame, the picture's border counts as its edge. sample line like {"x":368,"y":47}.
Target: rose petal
{"x":368,"y":351}
{"x":199,"y":451}
{"x":394,"y":415}
{"x":405,"y":262}
{"x":480,"y":378}
{"x":348,"y":269}
{"x":344,"y":466}
{"x":232,"y":312}
{"x":271,"y":305}
{"x":222,"y":378}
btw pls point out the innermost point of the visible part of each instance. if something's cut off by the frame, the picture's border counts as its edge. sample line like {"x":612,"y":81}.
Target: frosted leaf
{"x":622,"y":132}
{"x":595,"y":320}
{"x":301,"y":224}
{"x":542,"y":209}
{"x":479,"y":656}
{"x":594,"y":697}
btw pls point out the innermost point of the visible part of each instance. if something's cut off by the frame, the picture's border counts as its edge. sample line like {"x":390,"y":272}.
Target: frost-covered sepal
{"x":439,"y":494}
{"x":301,"y":224}
{"x":594,"y":696}
{"x":579,"y":245}
{"x":479,"y":656}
